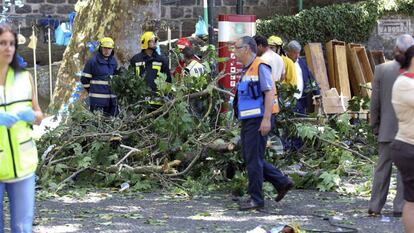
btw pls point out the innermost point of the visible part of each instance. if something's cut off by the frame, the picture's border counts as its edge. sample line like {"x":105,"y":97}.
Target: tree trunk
{"x":122,"y":20}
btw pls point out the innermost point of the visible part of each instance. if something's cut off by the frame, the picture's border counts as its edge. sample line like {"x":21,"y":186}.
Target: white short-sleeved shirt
{"x":275,"y":62}
{"x":300,"y":83}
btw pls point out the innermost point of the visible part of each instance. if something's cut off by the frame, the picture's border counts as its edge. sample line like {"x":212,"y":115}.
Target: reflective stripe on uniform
{"x":107,"y":96}
{"x":155,"y":103}
{"x":157,"y":66}
{"x":86,"y":85}
{"x":250,"y":112}
{"x":251,"y":78}
{"x":99,"y":82}
{"x":137,"y":68}
{"x":7,"y":103}
{"x":86,"y":75}
{"x":137,"y":71}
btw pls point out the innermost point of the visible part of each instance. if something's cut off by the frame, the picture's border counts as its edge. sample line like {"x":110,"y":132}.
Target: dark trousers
{"x":258,"y":170}
{"x":402,"y":154}
{"x":382,"y":178}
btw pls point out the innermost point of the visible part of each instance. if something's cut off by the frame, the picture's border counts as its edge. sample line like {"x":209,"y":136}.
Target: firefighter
{"x":96,"y":78}
{"x":148,"y":64}
{"x":189,"y":62}
{"x":182,"y":43}
{"x":193,"y":66}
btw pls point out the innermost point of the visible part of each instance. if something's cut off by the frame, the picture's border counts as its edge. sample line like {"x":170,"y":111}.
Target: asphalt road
{"x":109,"y":211}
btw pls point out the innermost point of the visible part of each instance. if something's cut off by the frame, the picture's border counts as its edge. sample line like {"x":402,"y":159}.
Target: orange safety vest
{"x":253,"y":74}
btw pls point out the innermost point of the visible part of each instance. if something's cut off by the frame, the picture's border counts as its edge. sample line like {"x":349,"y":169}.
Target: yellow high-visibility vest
{"x":18,"y":153}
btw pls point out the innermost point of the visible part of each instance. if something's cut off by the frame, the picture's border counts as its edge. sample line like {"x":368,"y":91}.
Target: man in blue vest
{"x":96,"y":78}
{"x":253,"y":107}
{"x":305,"y":81}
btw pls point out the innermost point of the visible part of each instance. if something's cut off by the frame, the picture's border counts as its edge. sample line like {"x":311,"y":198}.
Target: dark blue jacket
{"x":96,"y":79}
{"x":150,"y":67}
{"x":309,"y":83}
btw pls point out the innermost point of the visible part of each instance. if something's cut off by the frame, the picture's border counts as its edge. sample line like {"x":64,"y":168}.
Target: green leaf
{"x":60,"y":167}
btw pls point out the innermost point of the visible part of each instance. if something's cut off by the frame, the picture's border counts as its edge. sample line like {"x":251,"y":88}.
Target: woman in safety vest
{"x":19,"y":109}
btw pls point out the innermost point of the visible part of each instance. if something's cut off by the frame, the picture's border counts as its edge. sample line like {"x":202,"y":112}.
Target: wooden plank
{"x":341,"y":71}
{"x":351,"y":73}
{"x":330,"y":57}
{"x":378,"y":56}
{"x":359,"y":75}
{"x":316,"y":63}
{"x":366,"y":67}
{"x":371,"y":60}
{"x":333,"y":103}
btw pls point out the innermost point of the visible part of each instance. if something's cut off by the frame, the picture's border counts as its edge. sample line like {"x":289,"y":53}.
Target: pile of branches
{"x":186,"y":138}
{"x":166,"y":140}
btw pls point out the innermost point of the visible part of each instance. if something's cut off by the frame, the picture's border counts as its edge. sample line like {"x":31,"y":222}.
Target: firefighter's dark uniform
{"x":96,"y":79}
{"x":150,"y":68}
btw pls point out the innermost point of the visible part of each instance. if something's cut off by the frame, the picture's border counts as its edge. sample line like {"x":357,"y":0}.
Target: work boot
{"x":372,"y":213}
{"x":249,"y":204}
{"x":281,"y":193}
{"x":397,"y":214}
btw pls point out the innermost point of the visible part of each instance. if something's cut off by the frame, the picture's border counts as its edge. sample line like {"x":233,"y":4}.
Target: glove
{"x":8,"y":119}
{"x":27,"y":115}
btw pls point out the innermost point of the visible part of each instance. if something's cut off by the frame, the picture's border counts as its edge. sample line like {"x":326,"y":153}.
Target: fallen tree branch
{"x":62,"y":159}
{"x":166,"y":168}
{"x":291,"y":172}
{"x":220,"y":145}
{"x":188,"y":168}
{"x":62,"y":184}
{"x":166,"y":106}
{"x":345,"y":148}
{"x":223,"y":91}
{"x":125,"y":157}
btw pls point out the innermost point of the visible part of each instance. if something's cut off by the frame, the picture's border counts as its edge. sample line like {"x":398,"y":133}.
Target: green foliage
{"x":357,"y":103}
{"x":398,"y":6}
{"x":185,"y":118}
{"x":325,"y":154}
{"x":130,"y":88}
{"x":186,"y":125}
{"x":344,"y":22}
{"x":329,"y":181}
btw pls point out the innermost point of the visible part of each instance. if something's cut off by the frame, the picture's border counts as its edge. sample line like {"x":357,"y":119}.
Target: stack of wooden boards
{"x":350,"y":72}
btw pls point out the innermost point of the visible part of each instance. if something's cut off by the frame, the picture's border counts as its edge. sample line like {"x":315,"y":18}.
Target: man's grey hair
{"x":249,"y":41}
{"x":404,"y":42}
{"x":294,"y":46}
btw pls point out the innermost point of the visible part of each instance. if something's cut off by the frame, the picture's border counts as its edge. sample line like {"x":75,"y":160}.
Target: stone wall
{"x":387,"y":30}
{"x":43,"y":84}
{"x":183,"y":14}
{"x":30,"y":14}
{"x":33,"y":10}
